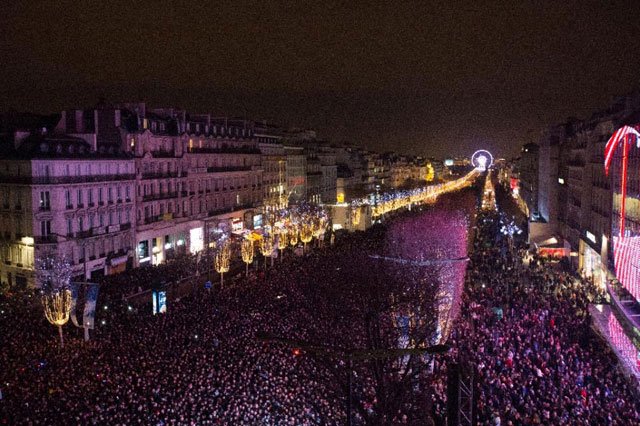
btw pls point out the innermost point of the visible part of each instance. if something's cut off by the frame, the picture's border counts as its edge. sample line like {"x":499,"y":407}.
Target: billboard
{"x":159,"y":302}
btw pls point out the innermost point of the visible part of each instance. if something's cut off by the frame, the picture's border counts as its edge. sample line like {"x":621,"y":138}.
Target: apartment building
{"x":63,"y":197}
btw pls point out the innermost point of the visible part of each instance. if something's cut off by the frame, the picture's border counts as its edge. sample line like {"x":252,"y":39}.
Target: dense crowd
{"x":202,"y":363}
{"x":525,"y":328}
{"x":221,"y":356}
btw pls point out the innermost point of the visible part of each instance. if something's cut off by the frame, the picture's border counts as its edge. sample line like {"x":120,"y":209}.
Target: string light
{"x":222,"y":261}
{"x":247,"y":253}
{"x":53,"y":275}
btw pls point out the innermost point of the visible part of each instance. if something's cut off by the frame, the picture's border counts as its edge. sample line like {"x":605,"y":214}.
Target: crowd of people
{"x":525,"y":330}
{"x":276,"y":347}
{"x":204,"y":362}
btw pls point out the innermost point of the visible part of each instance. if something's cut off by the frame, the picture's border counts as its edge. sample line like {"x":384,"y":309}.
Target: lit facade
{"x":58,"y":200}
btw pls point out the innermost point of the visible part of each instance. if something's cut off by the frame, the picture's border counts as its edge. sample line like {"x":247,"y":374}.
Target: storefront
{"x":591,"y":265}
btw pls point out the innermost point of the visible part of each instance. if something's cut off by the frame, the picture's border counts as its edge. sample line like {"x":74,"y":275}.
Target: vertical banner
{"x":159,"y":302}
{"x":74,"y":287}
{"x":90,"y":305}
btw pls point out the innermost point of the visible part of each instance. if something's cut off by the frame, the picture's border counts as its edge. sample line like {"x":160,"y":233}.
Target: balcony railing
{"x":44,"y":239}
{"x":225,"y":150}
{"x":160,"y":175}
{"x":162,"y":154}
{"x":161,"y":196}
{"x":62,"y":180}
{"x":228,"y":169}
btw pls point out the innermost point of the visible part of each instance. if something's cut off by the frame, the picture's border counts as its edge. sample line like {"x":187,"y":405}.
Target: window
{"x":100,"y":198}
{"x":45,"y":228}
{"x":69,"y":227}
{"x":80,"y":224}
{"x":44,"y":200}
{"x":90,"y":194}
{"x":128,"y":192}
{"x":110,"y":195}
{"x":67,"y":198}
{"x":79,"y":195}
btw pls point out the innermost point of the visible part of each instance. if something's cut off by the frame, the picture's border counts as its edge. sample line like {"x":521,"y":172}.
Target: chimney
{"x":79,"y":122}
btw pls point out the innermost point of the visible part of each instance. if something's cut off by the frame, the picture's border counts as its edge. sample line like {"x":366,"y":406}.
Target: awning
{"x":119,"y":260}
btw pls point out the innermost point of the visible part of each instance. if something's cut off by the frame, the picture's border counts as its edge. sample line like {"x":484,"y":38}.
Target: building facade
{"x":60,"y":200}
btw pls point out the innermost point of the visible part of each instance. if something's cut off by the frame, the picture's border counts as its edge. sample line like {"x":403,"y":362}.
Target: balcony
{"x":162,"y":196}
{"x":225,"y":149}
{"x":228,"y":169}
{"x":45,"y":239}
{"x":63,"y":180}
{"x":160,"y":175}
{"x":84,"y":234}
{"x":162,"y":154}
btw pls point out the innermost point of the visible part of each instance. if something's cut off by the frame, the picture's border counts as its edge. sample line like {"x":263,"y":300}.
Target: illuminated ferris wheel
{"x":482,"y":159}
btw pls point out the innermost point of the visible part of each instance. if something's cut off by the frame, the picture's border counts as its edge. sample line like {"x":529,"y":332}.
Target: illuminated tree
{"x":247,"y":253}
{"x":57,"y":306}
{"x":282,"y":242}
{"x":430,"y":173}
{"x":266,"y":248}
{"x":306,"y":234}
{"x":293,"y":237}
{"x":222,"y":261}
{"x":53,"y":276}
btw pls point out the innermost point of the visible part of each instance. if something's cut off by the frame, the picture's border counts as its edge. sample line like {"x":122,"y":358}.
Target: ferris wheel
{"x":482,"y":159}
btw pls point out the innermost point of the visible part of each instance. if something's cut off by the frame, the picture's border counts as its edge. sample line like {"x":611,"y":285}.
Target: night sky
{"x":434,"y":79}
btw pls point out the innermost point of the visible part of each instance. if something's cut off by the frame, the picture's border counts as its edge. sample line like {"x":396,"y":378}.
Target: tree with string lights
{"x":282,"y":243}
{"x":222,"y":261}
{"x":306,"y":235}
{"x":53,"y":275}
{"x":247,"y":254}
{"x":266,"y":248}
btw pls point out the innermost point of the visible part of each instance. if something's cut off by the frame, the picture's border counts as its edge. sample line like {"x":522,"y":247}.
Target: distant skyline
{"x":426,"y":78}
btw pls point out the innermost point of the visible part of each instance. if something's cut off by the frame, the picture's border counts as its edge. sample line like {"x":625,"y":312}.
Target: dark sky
{"x":427,"y":77}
